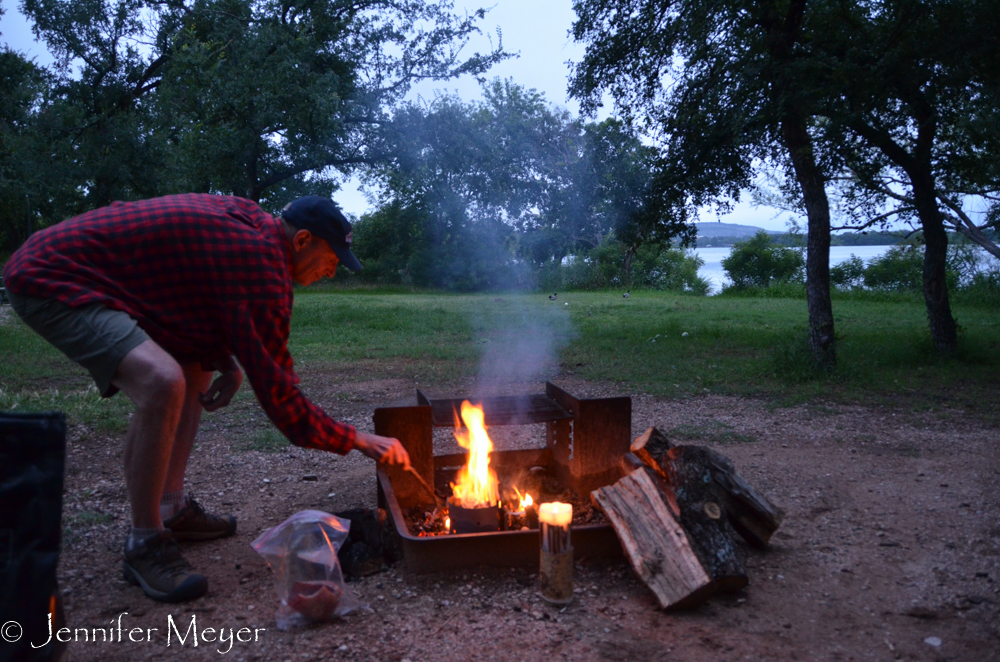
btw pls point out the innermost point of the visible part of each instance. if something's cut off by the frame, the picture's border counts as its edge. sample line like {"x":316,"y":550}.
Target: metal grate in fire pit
{"x":585,"y":439}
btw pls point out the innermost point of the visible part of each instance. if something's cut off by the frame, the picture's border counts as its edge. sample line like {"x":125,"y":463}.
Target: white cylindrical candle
{"x":555,"y":513}
{"x":556,"y":571}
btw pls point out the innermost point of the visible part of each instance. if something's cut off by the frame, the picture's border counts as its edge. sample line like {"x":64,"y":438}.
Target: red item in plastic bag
{"x":316,"y":600}
{"x":302,"y":553}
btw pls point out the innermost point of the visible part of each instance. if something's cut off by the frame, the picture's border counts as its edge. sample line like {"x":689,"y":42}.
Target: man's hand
{"x":382,"y":449}
{"x":224,"y":387}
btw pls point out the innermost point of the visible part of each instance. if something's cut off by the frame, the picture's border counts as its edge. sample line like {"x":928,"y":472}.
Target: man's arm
{"x":258,"y":335}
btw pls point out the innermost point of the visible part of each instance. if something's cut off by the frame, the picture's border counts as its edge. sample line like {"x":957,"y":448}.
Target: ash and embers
{"x":537,"y":481}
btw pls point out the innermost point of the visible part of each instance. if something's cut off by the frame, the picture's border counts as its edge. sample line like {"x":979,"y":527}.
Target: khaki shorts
{"x":94,"y":336}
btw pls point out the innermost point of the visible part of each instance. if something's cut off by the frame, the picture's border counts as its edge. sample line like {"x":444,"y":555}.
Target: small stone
{"x":343,"y":647}
{"x":267,"y":480}
{"x":933,"y":641}
{"x":249,"y":607}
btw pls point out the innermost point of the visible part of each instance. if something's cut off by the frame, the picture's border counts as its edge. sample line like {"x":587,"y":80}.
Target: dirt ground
{"x":890,"y":548}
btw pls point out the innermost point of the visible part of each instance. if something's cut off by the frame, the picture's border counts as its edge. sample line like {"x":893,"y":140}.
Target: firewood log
{"x":752,"y":515}
{"x":659,"y":550}
{"x":749,"y":511}
{"x":703,"y":515}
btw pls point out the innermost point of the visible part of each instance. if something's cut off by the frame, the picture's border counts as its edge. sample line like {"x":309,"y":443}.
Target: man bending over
{"x":152,"y":298}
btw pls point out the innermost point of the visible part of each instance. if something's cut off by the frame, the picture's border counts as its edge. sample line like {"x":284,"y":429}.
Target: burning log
{"x":657,"y":546}
{"x":751,"y":514}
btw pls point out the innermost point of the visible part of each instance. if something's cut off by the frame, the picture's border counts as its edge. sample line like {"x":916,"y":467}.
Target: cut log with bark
{"x":655,"y":543}
{"x":703,"y":515}
{"x":749,"y":511}
{"x":752,"y":515}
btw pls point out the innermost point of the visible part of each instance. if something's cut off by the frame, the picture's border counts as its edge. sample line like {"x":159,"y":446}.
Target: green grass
{"x":267,"y":440}
{"x":742,"y":345}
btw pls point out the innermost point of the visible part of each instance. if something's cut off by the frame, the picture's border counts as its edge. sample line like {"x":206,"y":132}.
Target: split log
{"x":656,"y":545}
{"x":650,"y":447}
{"x":752,"y":515}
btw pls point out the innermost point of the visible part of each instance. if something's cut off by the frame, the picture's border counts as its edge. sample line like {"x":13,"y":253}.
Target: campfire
{"x":475,"y":504}
{"x":491,"y":496}
{"x":675,"y":511}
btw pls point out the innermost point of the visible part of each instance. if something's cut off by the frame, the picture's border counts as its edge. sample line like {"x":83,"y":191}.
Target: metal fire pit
{"x":585,"y":439}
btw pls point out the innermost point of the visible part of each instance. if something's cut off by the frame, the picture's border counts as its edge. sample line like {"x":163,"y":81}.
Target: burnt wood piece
{"x":650,"y":447}
{"x":703,"y":515}
{"x":412,"y":426}
{"x":499,"y":410}
{"x":656,"y":545}
{"x":751,"y":514}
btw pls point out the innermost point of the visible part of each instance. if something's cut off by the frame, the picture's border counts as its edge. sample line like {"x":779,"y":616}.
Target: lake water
{"x":713,"y":273}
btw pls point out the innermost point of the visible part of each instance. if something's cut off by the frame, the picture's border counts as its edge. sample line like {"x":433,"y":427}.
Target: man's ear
{"x":300,"y":239}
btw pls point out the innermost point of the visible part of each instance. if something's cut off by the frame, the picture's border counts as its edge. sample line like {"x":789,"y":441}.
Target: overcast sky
{"x":538,"y":30}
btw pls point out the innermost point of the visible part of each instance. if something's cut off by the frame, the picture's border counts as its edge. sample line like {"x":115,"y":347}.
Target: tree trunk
{"x":811,"y":180}
{"x":944,"y":332}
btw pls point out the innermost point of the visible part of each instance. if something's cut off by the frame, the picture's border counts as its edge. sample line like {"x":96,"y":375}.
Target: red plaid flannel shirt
{"x":205,"y":276}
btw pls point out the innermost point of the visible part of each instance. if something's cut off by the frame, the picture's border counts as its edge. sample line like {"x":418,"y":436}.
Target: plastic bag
{"x":302,"y":553}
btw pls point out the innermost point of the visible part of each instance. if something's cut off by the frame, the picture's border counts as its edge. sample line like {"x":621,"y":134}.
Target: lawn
{"x":666,"y":344}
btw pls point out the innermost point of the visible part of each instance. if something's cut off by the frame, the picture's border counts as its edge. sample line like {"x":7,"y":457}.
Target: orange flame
{"x":477,"y":484}
{"x":525,"y":500}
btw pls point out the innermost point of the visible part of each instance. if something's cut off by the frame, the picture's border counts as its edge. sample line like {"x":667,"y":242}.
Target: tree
{"x":264,"y":99}
{"x":512,"y":170}
{"x":21,"y":87}
{"x":913,"y":112}
{"x":723,"y":86}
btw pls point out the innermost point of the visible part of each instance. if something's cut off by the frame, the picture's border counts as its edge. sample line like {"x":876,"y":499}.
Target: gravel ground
{"x":890,"y":548}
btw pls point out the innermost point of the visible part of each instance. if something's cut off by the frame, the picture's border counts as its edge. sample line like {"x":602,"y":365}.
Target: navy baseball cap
{"x":323,"y":218}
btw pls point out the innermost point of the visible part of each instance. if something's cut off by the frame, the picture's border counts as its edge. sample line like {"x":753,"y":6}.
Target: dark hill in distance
{"x":714,"y":234}
{"x":712,"y":229}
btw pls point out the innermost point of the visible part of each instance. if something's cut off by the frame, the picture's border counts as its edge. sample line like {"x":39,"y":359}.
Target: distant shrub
{"x":899,"y":269}
{"x":756,"y":262}
{"x":668,"y":269}
{"x":848,"y":274}
{"x":982,"y":290}
{"x":653,"y":267}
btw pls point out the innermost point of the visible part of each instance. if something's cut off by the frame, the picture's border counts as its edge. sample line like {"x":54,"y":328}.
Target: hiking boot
{"x":193,"y":523}
{"x":156,"y":565}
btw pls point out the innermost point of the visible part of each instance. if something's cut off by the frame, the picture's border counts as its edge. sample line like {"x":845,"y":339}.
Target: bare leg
{"x":197,"y":381}
{"x":154,"y":381}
